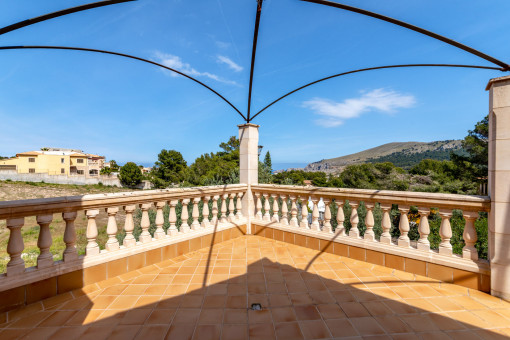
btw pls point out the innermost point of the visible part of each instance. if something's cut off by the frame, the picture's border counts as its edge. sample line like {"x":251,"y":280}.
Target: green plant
{"x":130,"y":174}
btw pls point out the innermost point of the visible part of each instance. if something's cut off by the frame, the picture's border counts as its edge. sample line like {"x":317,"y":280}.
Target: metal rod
{"x":126,"y":56}
{"x":60,"y":13}
{"x":253,"y":52}
{"x":454,"y":43}
{"x":376,"y":68}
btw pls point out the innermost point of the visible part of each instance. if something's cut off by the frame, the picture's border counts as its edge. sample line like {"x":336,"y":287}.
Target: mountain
{"x":404,"y":154}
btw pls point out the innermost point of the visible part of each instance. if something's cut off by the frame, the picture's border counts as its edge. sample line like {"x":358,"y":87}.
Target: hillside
{"x":402,"y":154}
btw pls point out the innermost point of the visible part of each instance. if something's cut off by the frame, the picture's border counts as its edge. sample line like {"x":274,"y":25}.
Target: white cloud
{"x":377,"y":100}
{"x":176,"y":62}
{"x":229,"y":63}
{"x":222,"y":44}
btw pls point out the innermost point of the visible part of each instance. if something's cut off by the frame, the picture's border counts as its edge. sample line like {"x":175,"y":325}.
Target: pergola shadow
{"x":335,"y":298}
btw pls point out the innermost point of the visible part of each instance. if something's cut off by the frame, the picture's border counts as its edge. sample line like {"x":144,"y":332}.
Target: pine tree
{"x":267,"y":162}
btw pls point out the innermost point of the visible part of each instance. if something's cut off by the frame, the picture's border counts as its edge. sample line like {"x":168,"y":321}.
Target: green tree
{"x":106,"y":171}
{"x":114,"y":166}
{"x":267,"y":162}
{"x":231,"y":146}
{"x":170,"y":168}
{"x":217,"y":168}
{"x":130,"y":174}
{"x":476,"y":144}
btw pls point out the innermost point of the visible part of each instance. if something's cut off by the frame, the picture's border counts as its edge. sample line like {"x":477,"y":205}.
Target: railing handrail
{"x":412,"y":198}
{"x":41,"y":206}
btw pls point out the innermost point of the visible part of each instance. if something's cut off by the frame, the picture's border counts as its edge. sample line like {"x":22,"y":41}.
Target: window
{"x":80,"y":172}
{"x":62,"y":160}
{"x":80,"y":160}
{"x":62,"y":171}
{"x":31,"y":160}
{"x":31,"y":171}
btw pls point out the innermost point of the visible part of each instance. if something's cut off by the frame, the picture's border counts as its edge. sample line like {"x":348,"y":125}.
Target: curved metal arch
{"x":126,"y":56}
{"x":60,"y":13}
{"x":371,"y":69}
{"x":436,"y":36}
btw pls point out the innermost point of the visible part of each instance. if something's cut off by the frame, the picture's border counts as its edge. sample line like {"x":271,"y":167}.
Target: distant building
{"x":55,"y":161}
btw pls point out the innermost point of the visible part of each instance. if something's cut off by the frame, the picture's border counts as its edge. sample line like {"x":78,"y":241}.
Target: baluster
{"x":315,"y":214}
{"x":185,"y":216}
{"x":293,"y":212}
{"x":470,"y":237}
{"x":327,"y":217}
{"x":145,"y":223}
{"x":129,"y":226}
{"x":205,"y":212}
{"x":304,"y":213}
{"x":354,"y":231}
{"x":445,"y":247}
{"x":15,"y":246}
{"x":285,"y":210}
{"x":424,"y":229}
{"x":276,"y":209}
{"x":386,"y":224}
{"x":172,"y":218}
{"x":70,"y":253}
{"x":403,"y":240}
{"x":111,"y":230}
{"x":340,"y":218}
{"x":195,"y":214}
{"x":258,"y":207}
{"x":92,"y":246}
{"x":239,"y":206}
{"x":267,"y":207}
{"x":223,"y":218}
{"x":214,"y":220}
{"x":159,"y":233}
{"x":231,"y":208}
{"x":369,"y":222}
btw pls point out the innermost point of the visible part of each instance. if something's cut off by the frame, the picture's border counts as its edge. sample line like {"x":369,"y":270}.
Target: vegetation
{"x":130,"y":174}
{"x":457,"y":175}
{"x":171,"y":168}
{"x":267,"y":162}
{"x":108,"y":170}
{"x":406,"y":161}
{"x":217,"y":168}
{"x":401,"y":154}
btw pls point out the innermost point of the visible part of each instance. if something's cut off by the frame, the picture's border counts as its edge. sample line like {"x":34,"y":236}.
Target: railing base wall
{"x":478,"y":279}
{"x":60,"y":283}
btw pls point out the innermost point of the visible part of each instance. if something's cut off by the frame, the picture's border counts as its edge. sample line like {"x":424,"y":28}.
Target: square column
{"x":249,"y":167}
{"x":499,"y":185}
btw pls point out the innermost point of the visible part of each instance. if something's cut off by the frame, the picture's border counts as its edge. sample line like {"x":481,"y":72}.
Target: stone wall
{"x":58,"y":179}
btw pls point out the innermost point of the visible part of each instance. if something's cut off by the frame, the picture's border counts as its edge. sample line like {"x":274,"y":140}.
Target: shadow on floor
{"x":335,"y":297}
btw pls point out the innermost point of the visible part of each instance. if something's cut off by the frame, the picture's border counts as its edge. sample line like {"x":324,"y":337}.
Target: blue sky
{"x":129,"y":111}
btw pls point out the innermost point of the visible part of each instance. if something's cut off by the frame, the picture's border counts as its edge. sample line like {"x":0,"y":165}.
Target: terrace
{"x":242,"y":261}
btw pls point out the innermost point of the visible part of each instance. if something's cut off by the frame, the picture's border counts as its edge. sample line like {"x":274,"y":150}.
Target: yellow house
{"x":54,"y":162}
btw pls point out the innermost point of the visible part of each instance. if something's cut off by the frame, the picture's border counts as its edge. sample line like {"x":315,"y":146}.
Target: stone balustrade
{"x":292,"y":211}
{"x":199,"y":215}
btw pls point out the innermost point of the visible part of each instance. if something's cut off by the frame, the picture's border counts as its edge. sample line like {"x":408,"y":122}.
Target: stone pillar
{"x":499,"y":185}
{"x":249,"y":167}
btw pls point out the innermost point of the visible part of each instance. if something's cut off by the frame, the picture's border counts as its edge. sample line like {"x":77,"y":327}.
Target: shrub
{"x":130,"y":174}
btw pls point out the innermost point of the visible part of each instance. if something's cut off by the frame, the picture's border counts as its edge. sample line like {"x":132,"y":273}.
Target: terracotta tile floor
{"x":206,"y":295}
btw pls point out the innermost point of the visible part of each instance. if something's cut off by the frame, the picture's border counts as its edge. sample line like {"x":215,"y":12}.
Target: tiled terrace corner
{"x":329,"y":244}
{"x":304,"y":293}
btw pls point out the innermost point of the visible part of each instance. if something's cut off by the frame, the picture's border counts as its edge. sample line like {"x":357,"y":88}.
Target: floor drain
{"x":256,"y":306}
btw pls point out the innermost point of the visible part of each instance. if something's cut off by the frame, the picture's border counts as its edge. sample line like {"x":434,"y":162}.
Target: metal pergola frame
{"x":502,"y":66}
